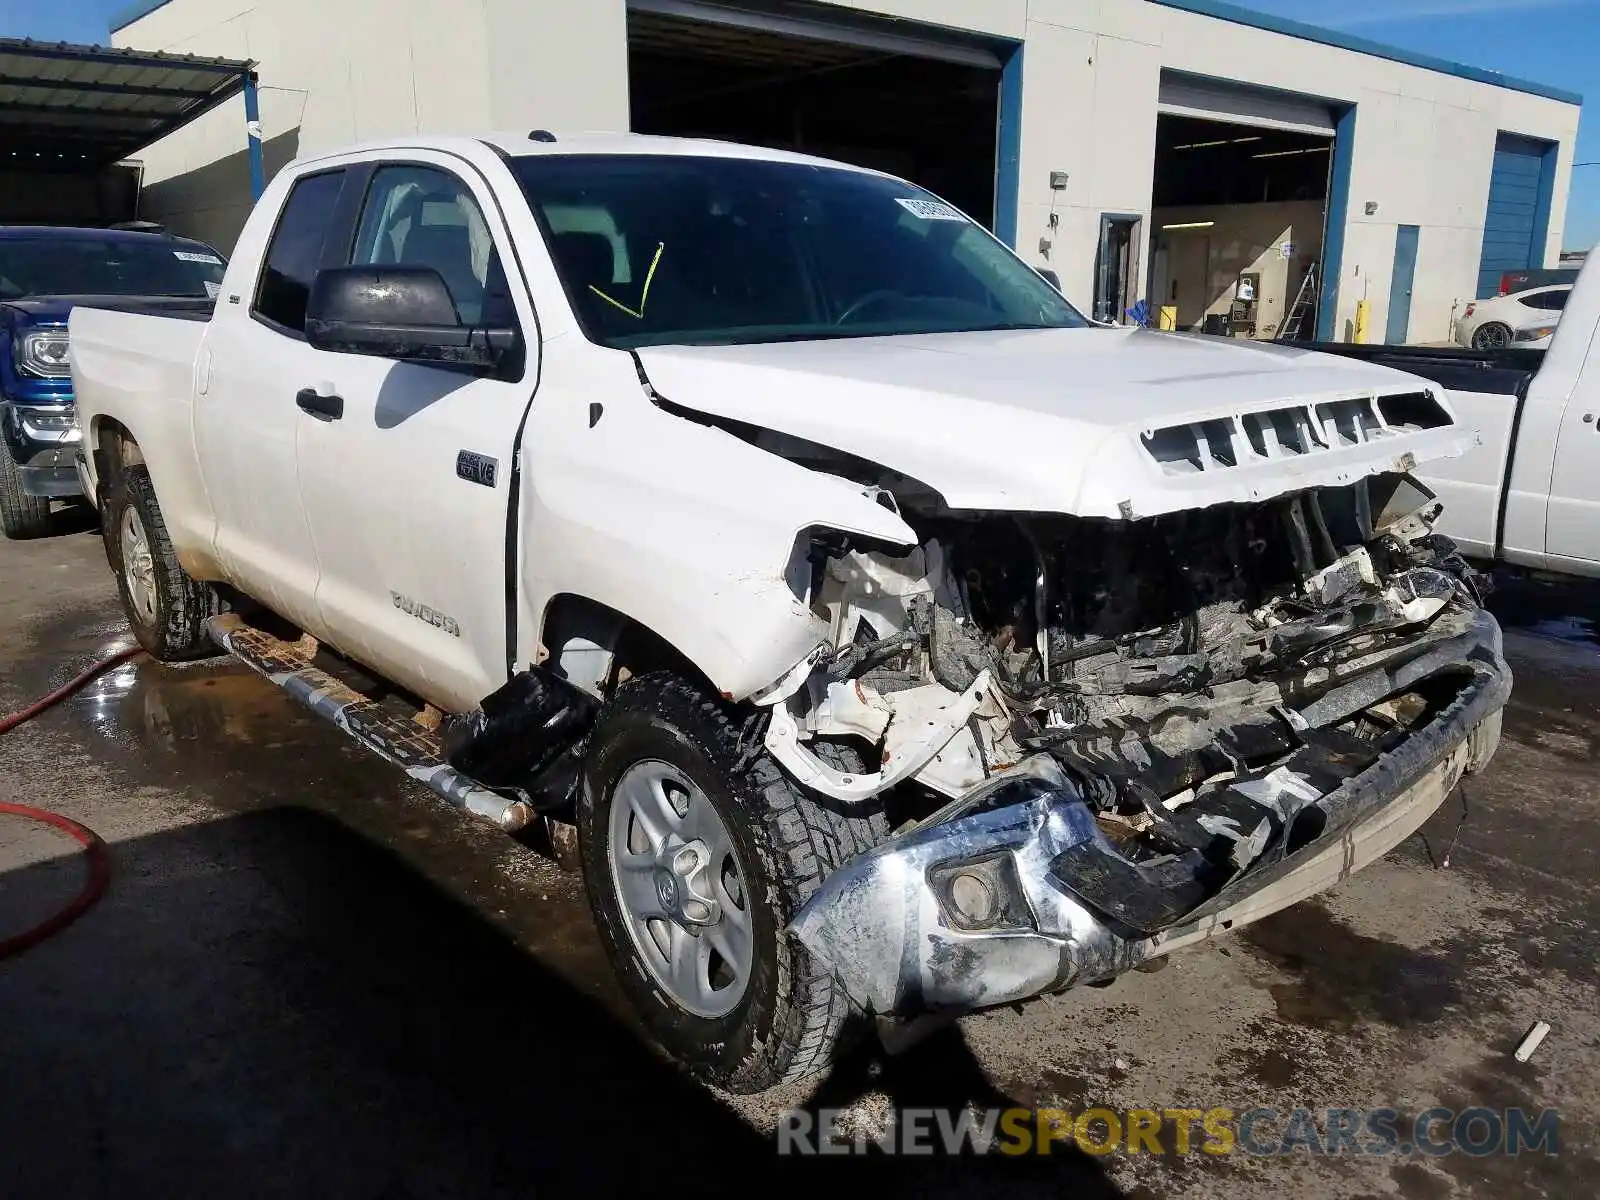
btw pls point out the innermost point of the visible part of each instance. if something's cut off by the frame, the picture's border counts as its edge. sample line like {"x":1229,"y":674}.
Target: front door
{"x":408,"y":491}
{"x":1572,"y":530}
{"x":1401,"y":283}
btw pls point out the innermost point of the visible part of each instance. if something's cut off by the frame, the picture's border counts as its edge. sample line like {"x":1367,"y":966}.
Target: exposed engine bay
{"x":1200,"y":679}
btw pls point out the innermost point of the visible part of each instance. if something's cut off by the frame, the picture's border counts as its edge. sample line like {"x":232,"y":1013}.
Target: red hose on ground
{"x":93,"y":848}
{"x":94,"y":887}
{"x":7,"y":724}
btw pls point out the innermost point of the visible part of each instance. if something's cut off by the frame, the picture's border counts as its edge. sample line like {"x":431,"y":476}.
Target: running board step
{"x":410,"y":746}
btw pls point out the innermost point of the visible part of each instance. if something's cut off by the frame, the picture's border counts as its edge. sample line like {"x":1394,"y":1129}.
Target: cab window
{"x":295,"y":253}
{"x":421,"y":216}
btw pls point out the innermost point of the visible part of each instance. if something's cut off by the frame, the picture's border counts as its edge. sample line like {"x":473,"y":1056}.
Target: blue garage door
{"x":1519,"y":209}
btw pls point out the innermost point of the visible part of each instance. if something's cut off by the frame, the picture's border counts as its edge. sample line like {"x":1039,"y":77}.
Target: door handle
{"x":312,"y":401}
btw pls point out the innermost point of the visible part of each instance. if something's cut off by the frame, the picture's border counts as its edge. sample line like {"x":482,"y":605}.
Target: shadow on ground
{"x":271,"y":1005}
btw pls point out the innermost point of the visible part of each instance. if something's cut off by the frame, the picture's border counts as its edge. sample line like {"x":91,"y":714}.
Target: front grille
{"x":1290,"y":432}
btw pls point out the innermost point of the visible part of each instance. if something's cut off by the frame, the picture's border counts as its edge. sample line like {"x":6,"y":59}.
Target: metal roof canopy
{"x":64,"y":106}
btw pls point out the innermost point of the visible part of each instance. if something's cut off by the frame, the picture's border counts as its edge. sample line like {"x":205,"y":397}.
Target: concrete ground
{"x":309,"y":978}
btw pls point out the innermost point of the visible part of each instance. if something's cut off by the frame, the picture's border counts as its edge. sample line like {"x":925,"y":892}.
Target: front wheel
{"x":695,"y":858}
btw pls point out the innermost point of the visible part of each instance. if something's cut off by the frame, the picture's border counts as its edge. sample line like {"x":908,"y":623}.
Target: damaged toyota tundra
{"x":892,"y":641}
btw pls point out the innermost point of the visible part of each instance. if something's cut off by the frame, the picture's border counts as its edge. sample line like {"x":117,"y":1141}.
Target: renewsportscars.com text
{"x":1263,"y":1132}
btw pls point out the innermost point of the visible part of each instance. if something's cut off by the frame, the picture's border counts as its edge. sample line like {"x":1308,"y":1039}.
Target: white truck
{"x":899,"y":642}
{"x":1528,"y":493}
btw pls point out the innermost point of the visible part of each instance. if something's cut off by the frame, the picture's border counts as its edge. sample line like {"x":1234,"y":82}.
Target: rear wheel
{"x":696,"y":855}
{"x":21,"y":515}
{"x":1493,"y":336}
{"x":166,"y":607}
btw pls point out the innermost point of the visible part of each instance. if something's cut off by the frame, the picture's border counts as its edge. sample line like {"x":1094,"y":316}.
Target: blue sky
{"x":1555,"y":42}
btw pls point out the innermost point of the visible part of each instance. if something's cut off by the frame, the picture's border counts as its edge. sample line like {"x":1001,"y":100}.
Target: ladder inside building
{"x":1305,"y":301}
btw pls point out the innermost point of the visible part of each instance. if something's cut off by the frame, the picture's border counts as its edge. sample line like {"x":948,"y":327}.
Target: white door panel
{"x":413,"y":550}
{"x":414,"y":577}
{"x":1573,"y":531}
{"x":246,"y":418}
{"x":1470,"y":486}
{"x":246,"y":425}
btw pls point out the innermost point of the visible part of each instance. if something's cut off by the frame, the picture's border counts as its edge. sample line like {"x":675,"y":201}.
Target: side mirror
{"x":1050,"y":277}
{"x":400,"y":312}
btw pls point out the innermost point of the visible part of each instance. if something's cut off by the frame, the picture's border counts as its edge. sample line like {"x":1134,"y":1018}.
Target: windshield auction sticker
{"x":929,"y":210}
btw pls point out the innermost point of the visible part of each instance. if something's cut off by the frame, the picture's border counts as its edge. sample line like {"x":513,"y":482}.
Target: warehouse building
{"x":1245,"y":173}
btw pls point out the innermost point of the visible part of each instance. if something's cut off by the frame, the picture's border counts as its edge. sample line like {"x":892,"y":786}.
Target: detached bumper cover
{"x":1026,"y":850}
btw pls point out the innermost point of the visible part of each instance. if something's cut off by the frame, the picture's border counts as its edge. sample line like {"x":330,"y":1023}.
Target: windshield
{"x":92,"y":266}
{"x":659,"y":249}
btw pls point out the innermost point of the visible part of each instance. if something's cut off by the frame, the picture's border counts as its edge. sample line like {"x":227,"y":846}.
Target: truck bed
{"x":135,"y":357}
{"x":1489,"y":372}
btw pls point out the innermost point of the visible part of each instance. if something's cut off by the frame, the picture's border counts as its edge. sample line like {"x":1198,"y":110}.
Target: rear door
{"x":254,"y":361}
{"x":409,"y":492}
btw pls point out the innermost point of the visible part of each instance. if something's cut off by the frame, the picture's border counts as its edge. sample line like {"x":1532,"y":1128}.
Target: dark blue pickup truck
{"x":44,"y":273}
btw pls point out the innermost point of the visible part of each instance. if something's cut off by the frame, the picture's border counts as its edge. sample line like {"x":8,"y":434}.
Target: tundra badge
{"x":425,"y":614}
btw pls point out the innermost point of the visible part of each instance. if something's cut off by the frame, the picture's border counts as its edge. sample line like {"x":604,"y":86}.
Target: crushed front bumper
{"x":977,"y":906}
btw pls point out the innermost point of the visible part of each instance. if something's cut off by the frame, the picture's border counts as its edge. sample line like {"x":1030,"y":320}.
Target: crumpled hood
{"x":1086,"y":422}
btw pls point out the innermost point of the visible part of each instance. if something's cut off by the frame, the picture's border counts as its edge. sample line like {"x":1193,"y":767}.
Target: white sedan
{"x":1525,"y":320}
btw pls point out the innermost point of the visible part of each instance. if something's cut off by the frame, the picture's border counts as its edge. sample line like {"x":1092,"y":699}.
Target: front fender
{"x":685,"y":528}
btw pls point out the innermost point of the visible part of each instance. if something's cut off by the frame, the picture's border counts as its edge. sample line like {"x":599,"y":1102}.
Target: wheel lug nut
{"x":687,"y":860}
{"x":696,"y":910}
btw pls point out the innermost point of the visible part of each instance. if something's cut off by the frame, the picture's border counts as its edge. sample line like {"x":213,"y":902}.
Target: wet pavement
{"x":310,"y":978}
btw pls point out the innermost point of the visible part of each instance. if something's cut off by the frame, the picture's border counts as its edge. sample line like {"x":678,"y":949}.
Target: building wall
{"x":1424,"y":143}
{"x":558,"y":64}
{"x":333,"y":71}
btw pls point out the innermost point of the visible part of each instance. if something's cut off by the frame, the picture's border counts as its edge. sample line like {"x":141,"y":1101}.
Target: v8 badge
{"x":477,"y":468}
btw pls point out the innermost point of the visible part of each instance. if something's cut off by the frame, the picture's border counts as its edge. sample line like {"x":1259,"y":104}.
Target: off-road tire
{"x":22,"y":515}
{"x":793,"y":1017}
{"x":182,"y":604}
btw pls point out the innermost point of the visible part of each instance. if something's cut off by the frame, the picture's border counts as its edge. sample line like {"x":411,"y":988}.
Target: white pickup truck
{"x":1528,"y":493}
{"x":898,"y":642}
